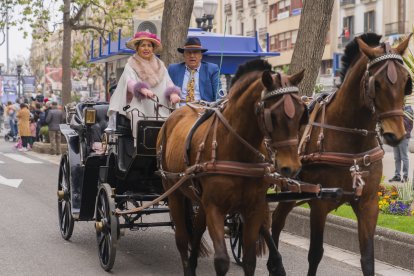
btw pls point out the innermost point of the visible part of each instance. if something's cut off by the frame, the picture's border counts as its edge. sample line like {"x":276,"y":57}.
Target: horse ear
{"x":368,"y":51}
{"x":400,"y":49}
{"x":297,"y":78}
{"x":267,"y":80}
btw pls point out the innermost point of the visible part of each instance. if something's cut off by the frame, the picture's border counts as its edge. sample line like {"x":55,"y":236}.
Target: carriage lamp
{"x":89,"y":115}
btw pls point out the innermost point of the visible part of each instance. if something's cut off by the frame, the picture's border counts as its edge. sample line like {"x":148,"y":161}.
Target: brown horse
{"x":254,"y":97}
{"x":341,"y":133}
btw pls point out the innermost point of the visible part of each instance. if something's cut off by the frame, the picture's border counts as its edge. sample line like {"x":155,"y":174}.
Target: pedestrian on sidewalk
{"x":24,"y":125}
{"x":401,"y":151}
{"x":53,"y":119}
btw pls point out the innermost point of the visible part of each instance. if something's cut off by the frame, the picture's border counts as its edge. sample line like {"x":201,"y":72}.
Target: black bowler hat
{"x":192,"y":44}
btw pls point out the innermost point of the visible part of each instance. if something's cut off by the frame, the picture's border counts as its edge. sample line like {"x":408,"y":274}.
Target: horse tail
{"x":260,"y":246}
{"x":191,"y":223}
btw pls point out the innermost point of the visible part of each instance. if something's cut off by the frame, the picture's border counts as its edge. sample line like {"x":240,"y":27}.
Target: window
{"x":369,"y":21}
{"x":348,"y":24}
{"x":283,"y":41}
{"x":273,"y":12}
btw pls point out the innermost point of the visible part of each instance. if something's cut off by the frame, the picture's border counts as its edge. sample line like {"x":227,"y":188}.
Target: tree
{"x":101,"y":16}
{"x":310,"y":43}
{"x":175,"y":22}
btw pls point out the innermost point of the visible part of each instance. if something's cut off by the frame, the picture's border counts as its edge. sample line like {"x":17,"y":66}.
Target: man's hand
{"x":174,"y":98}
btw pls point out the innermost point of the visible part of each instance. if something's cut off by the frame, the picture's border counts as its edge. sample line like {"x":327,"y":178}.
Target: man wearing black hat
{"x":197,"y":79}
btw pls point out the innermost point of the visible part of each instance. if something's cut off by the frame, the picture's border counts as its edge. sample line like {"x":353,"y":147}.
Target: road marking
{"x":10,"y":182}
{"x":21,"y":158}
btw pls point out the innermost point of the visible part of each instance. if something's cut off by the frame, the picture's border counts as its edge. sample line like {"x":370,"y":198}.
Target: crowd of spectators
{"x":26,"y":121}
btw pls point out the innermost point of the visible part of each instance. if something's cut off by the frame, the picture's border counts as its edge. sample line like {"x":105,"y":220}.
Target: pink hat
{"x":131,"y":44}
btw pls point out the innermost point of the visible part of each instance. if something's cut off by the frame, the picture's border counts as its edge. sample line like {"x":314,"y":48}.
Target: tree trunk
{"x":175,"y":22}
{"x":310,"y":43}
{"x":66,"y":54}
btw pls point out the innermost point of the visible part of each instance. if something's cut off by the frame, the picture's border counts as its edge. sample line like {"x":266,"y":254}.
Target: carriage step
{"x":146,"y":225}
{"x":326,"y":193}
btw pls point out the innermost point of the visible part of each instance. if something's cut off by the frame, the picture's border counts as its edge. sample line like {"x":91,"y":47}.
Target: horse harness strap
{"x":344,"y":159}
{"x":363,"y":132}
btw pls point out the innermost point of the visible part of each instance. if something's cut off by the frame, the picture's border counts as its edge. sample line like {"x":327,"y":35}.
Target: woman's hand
{"x":174,"y":98}
{"x":147,"y":93}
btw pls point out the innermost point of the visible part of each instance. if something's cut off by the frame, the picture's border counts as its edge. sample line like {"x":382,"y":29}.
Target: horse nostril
{"x":286,"y":171}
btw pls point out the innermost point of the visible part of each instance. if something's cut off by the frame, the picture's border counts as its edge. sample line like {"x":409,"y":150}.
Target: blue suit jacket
{"x":208,"y":78}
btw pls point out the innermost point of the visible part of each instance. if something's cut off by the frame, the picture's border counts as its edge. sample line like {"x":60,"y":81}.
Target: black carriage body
{"x":129,"y":168}
{"x":84,"y":164}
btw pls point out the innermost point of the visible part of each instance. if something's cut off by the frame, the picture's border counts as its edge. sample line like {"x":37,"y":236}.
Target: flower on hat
{"x":131,"y":44}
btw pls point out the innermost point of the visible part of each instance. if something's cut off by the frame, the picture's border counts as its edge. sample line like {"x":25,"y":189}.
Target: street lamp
{"x":90,"y":83}
{"x":19,"y":63}
{"x":210,"y":8}
{"x":204,"y":12}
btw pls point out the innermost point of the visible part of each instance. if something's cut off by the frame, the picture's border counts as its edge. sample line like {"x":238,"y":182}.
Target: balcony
{"x":227,"y":9}
{"x":264,"y":2}
{"x":262,"y":32}
{"x":347,"y":3}
{"x":367,"y":1}
{"x":252,"y":3}
{"x":239,"y":5}
{"x":250,"y":33}
{"x":399,"y":27}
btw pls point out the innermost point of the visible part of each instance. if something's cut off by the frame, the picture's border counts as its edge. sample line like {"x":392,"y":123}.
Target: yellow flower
{"x":392,"y":201}
{"x":412,"y":212}
{"x":386,"y":197}
{"x":379,"y":194}
{"x":394,"y":193}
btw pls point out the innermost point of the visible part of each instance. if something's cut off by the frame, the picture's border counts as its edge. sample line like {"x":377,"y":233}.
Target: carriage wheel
{"x":236,"y":237}
{"x":66,"y":221}
{"x":106,"y":226}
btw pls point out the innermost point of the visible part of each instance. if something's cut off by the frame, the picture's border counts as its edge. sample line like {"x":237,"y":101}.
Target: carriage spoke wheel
{"x":66,"y":221}
{"x":236,"y":238}
{"x":106,"y":226}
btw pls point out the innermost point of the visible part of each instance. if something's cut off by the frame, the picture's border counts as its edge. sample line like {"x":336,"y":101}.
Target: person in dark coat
{"x":53,"y":119}
{"x":401,"y":151}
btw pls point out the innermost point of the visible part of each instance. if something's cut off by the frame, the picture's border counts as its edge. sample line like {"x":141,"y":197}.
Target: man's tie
{"x":190,"y":87}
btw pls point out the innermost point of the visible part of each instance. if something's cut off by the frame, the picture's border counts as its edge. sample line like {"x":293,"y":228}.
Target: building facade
{"x":245,"y":17}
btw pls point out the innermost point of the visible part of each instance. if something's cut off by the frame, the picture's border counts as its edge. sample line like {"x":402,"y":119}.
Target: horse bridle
{"x":264,"y":114}
{"x":368,"y":81}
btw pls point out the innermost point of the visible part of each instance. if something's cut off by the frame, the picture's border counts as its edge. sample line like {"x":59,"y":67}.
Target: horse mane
{"x":250,"y":66}
{"x":352,"y":51}
{"x":246,"y":74}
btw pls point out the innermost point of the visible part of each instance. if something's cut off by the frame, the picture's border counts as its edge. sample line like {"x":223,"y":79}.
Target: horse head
{"x":385,"y":83}
{"x":281,"y":113}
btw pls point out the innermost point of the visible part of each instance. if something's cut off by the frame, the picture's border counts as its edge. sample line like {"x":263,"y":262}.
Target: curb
{"x":41,"y":147}
{"x":393,"y":247}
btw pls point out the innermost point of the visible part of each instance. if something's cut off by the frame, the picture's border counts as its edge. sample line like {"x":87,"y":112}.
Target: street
{"x":31,"y":243}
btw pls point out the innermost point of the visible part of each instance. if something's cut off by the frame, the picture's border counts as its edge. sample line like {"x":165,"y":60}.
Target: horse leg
{"x":367,"y":215}
{"x":274,"y":264}
{"x":278,"y":223}
{"x":176,"y":202}
{"x":215,"y":224}
{"x":198,"y":231}
{"x":253,"y":224}
{"x":318,"y":216}
{"x":279,"y":219}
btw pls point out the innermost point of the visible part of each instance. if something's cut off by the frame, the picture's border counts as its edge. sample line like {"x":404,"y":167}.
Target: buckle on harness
{"x":366,"y":160}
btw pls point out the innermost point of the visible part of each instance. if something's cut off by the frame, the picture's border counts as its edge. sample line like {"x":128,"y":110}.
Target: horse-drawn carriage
{"x":216,"y":156}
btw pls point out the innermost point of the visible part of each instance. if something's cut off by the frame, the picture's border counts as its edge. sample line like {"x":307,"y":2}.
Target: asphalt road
{"x":30,"y":242}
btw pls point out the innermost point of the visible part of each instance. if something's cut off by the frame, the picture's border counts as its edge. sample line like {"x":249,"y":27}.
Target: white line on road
{"x":10,"y":182}
{"x":21,"y":158}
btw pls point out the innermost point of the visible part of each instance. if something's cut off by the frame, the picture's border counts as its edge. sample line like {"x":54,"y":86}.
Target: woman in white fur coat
{"x":145,"y":76}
